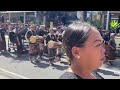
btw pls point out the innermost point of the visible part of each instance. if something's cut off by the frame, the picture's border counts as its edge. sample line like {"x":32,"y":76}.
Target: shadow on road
{"x":22,"y":58}
{"x":7,"y":54}
{"x":65,"y":63}
{"x":55,"y":66}
{"x":41,"y":65}
{"x":59,"y":67}
{"x":43,"y":62}
{"x":115,"y":64}
{"x":107,"y":72}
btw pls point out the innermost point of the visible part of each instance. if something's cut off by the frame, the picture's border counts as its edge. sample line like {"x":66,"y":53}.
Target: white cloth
{"x":112,"y":34}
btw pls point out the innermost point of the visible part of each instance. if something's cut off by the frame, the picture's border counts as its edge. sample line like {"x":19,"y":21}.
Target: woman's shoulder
{"x":69,"y":75}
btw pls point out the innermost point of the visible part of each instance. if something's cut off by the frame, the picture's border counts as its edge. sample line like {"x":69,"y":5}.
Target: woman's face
{"x":42,"y":28}
{"x":33,"y":28}
{"x":51,"y":32}
{"x":92,"y":54}
{"x":59,"y":30}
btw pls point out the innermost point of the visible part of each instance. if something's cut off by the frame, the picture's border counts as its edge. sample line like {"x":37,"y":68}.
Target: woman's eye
{"x":102,"y":44}
{"x":98,"y":45}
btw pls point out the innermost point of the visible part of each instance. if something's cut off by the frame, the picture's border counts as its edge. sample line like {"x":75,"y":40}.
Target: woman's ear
{"x":75,"y":52}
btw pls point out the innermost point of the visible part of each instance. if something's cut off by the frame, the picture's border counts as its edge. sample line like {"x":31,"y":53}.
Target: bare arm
{"x":18,"y":41}
{"x":0,"y":37}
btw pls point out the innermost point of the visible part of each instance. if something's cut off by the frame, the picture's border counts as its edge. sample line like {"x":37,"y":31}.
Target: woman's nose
{"x":103,"y":49}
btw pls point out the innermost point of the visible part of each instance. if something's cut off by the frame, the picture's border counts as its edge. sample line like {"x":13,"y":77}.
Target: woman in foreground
{"x":84,"y":48}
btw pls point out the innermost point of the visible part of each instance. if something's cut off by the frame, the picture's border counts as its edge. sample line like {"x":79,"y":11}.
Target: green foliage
{"x":95,"y":23}
{"x":114,"y":24}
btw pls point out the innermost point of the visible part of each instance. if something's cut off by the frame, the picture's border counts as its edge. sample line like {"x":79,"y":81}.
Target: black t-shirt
{"x":24,"y":31}
{"x":69,"y":75}
{"x":50,"y":37}
{"x":106,"y":37}
{"x":2,"y":31}
{"x":12,"y":36}
{"x":19,"y":36}
{"x":112,"y":43}
{"x":41,"y":33}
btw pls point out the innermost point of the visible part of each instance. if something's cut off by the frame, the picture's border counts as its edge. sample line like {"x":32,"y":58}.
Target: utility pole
{"x":91,"y":15}
{"x":44,"y":18}
{"x":84,"y":15}
{"x":24,"y":17}
{"x":107,"y":20}
{"x":80,"y":15}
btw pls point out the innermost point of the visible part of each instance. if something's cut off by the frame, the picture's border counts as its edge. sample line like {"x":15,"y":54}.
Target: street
{"x":23,"y":67}
{"x":20,"y":68}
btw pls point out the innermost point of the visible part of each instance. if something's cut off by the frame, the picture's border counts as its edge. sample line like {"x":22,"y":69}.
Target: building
{"x":113,"y":15}
{"x":15,"y":16}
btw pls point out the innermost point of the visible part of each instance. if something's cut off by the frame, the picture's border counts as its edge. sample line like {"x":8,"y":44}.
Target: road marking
{"x":118,"y":72}
{"x":22,"y":77}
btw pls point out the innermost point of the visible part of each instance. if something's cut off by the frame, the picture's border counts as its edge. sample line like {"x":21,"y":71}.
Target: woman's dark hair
{"x":75,"y":34}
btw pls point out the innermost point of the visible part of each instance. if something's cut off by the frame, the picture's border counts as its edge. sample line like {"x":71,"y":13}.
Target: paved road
{"x":4,"y":74}
{"x":111,"y":71}
{"x":24,"y":68}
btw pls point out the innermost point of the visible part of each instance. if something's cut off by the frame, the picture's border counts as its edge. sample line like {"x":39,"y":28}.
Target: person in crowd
{"x":25,"y":29}
{"x":59,"y":39}
{"x":41,"y":32}
{"x":19,"y":44}
{"x":51,"y":51}
{"x":112,"y":43}
{"x":2,"y":38}
{"x":33,"y":47}
{"x":106,"y":36}
{"x":59,"y":34}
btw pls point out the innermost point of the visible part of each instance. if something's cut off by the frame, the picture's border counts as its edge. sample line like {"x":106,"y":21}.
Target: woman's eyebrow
{"x":97,"y":40}
{"x":102,"y":43}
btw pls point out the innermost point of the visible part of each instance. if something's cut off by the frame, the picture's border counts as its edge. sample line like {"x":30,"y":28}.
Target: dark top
{"x":50,"y":37}
{"x":24,"y":31}
{"x":69,"y":75}
{"x":12,"y":37}
{"x":19,"y":35}
{"x":112,"y":43}
{"x":106,"y":37}
{"x":2,"y":31}
{"x":30,"y":33}
{"x":41,"y":33}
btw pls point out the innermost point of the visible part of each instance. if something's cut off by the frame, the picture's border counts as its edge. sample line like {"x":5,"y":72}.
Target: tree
{"x":95,"y":23}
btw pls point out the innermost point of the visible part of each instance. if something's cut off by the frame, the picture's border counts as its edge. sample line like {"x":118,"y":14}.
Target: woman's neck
{"x":83,"y":73}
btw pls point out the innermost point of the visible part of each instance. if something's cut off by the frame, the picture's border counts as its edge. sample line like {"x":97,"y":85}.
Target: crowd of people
{"x":110,"y":44}
{"x":41,"y":35}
